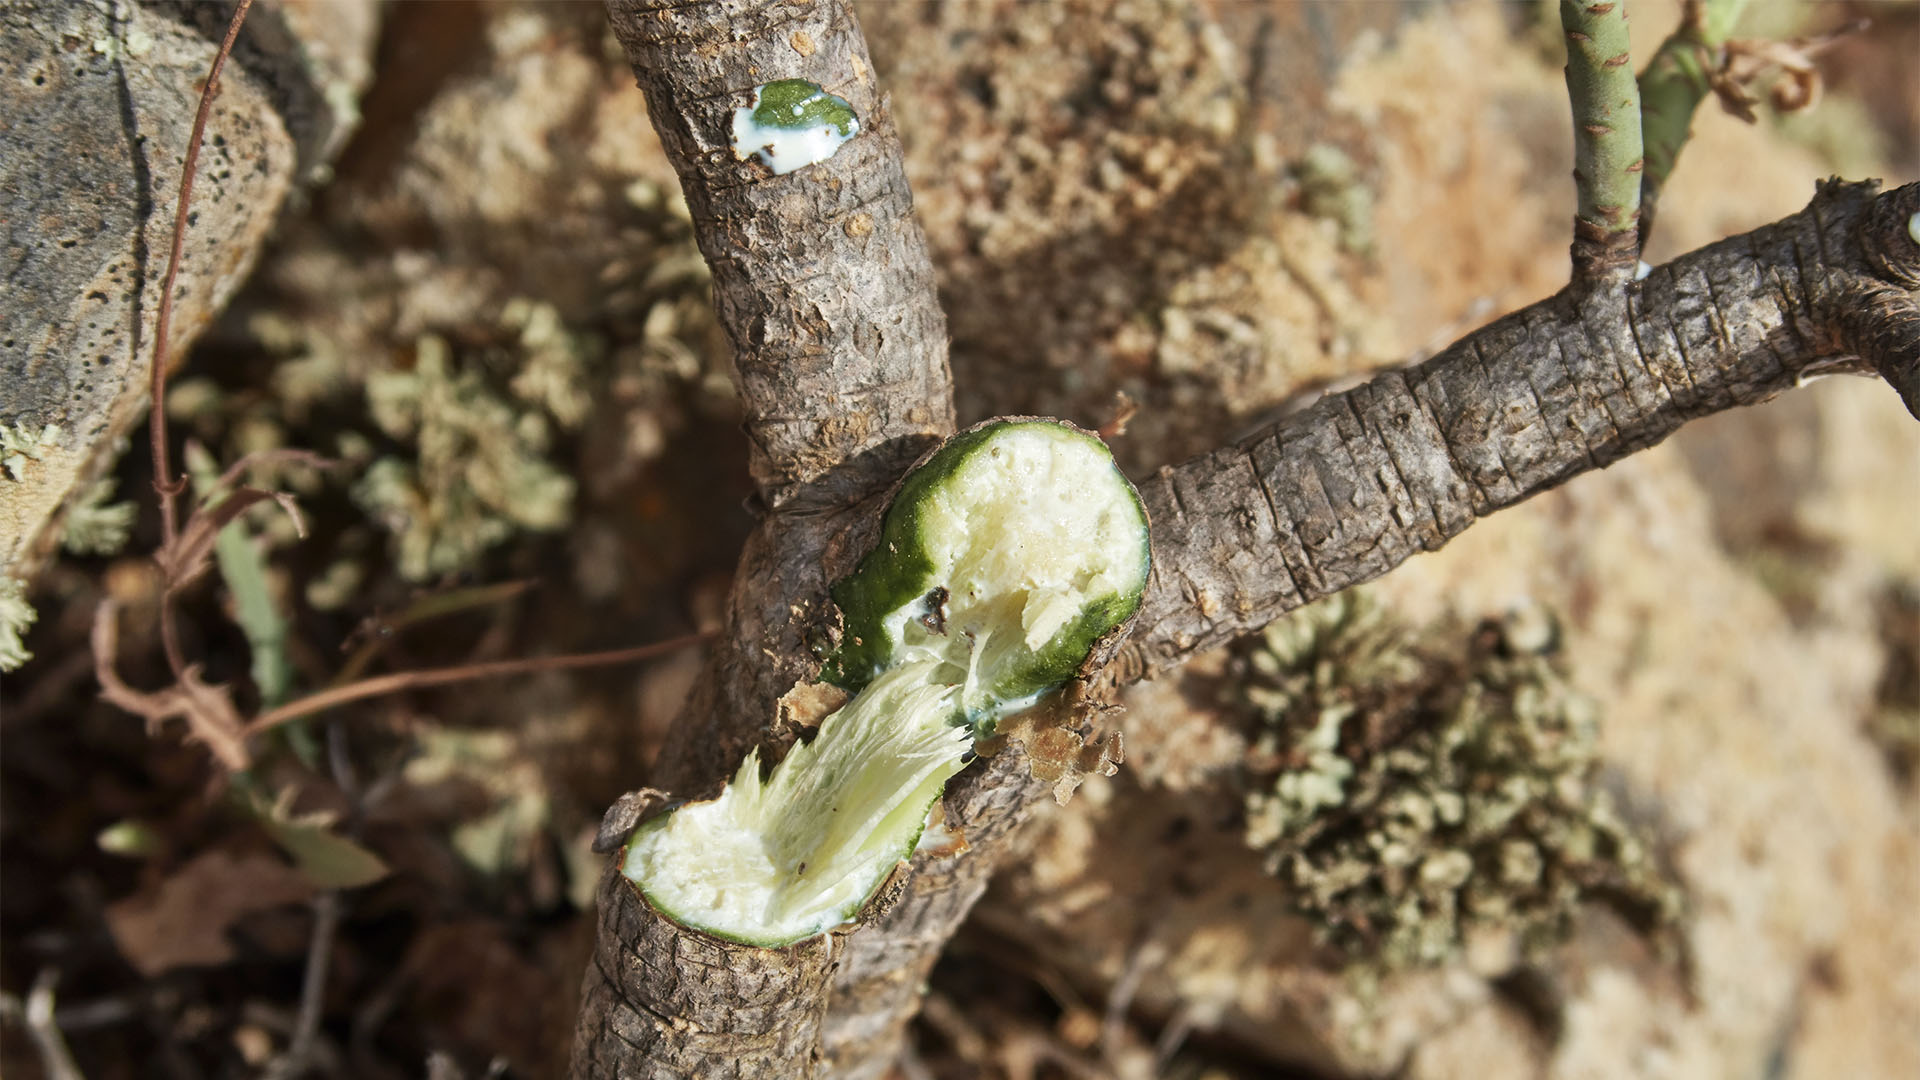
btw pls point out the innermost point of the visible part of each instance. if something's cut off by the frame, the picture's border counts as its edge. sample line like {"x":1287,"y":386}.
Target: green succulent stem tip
{"x":1608,"y":156}
{"x":1672,"y":86}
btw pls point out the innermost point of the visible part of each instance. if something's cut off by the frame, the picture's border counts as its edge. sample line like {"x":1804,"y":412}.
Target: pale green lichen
{"x":22,"y":443}
{"x":1332,"y":187}
{"x":480,"y":472}
{"x":554,"y":361}
{"x":1412,"y":787}
{"x":16,"y":617}
{"x":96,"y":526}
{"x":313,"y":368}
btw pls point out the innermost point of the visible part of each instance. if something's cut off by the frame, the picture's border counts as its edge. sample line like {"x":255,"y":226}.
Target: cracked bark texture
{"x":1350,"y":487}
{"x":822,"y":282}
{"x":842,"y":393}
{"x":660,"y":1002}
{"x":821,"y":276}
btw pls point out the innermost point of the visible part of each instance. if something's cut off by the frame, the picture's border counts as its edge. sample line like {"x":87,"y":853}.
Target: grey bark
{"x":822,"y":281}
{"x":1345,"y":490}
{"x":660,"y":1002}
{"x":821,"y":277}
{"x":844,"y":381}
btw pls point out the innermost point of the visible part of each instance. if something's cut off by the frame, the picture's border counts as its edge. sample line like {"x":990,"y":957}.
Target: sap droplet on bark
{"x":791,"y":124}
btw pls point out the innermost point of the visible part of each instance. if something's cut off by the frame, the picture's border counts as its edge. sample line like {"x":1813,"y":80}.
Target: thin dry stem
{"x":164,"y":482}
{"x":37,"y":1014}
{"x":383,"y":685}
{"x":313,"y":990}
{"x":379,"y":630}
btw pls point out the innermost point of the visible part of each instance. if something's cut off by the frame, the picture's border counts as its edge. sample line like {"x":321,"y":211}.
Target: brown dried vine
{"x":186,"y":550}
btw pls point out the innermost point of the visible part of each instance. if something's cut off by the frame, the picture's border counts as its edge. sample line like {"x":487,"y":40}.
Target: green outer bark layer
{"x":898,"y":571}
{"x":1672,"y":86}
{"x":1607,"y":157}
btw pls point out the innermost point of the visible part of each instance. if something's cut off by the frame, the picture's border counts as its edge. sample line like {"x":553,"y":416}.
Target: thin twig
{"x":313,"y":988}
{"x":1607,"y":152}
{"x":417,"y":680}
{"x":165,"y":484}
{"x":164,"y":481}
{"x":38,"y":1016}
{"x":431,"y":606}
{"x":106,"y":1012}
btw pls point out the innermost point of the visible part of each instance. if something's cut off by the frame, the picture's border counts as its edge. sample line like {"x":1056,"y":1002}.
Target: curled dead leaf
{"x":1784,"y":70}
{"x":208,"y":710}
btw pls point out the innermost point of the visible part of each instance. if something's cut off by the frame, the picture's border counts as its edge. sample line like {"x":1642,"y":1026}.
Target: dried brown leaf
{"x":182,"y":920}
{"x":1786,"y":69}
{"x":208,"y":710}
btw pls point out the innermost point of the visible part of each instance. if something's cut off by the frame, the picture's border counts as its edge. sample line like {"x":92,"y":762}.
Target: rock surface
{"x":98,"y":100}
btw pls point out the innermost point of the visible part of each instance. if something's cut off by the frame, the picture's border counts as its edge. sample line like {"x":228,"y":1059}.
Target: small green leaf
{"x":328,"y":859}
{"x":134,"y":839}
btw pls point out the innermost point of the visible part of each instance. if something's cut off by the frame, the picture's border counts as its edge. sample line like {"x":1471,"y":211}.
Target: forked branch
{"x":1345,"y":490}
{"x":836,"y":383}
